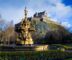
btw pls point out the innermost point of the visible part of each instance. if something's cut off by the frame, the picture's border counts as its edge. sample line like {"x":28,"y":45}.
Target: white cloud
{"x":66,"y":24}
{"x":55,"y":9}
{"x":12,"y":14}
{"x":62,"y":12}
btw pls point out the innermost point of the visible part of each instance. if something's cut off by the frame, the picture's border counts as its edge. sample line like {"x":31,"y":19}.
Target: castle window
{"x":41,"y":19}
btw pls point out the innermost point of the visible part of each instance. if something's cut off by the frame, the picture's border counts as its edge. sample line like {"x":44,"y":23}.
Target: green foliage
{"x":40,"y":27}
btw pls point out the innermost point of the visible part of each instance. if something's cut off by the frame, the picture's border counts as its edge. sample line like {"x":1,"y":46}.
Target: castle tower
{"x":24,"y":36}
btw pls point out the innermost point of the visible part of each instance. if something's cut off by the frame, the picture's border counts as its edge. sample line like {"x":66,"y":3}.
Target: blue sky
{"x":58,"y":10}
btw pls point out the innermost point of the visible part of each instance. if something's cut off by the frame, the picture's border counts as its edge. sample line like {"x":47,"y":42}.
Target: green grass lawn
{"x":38,"y":55}
{"x":69,"y":59}
{"x":66,"y":46}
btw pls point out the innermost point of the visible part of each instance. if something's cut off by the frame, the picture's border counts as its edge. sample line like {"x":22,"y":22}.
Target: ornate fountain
{"x":24,"y":36}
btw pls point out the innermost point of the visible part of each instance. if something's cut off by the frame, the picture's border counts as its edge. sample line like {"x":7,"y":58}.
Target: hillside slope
{"x":47,"y":30}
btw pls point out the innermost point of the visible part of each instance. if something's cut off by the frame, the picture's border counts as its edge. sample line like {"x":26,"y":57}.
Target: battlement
{"x":40,"y":14}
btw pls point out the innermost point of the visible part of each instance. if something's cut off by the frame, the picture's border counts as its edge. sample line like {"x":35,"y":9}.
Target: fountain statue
{"x":24,"y":36}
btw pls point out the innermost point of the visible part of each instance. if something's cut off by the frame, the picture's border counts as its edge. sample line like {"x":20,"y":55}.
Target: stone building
{"x":41,"y":15}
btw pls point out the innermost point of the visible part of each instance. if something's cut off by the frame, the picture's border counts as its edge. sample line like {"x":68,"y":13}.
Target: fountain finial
{"x":25,"y":12}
